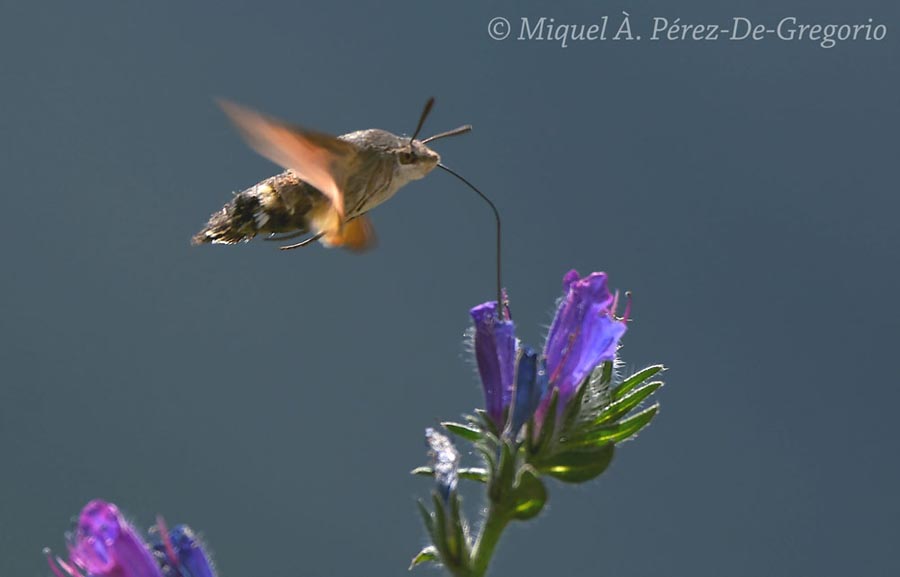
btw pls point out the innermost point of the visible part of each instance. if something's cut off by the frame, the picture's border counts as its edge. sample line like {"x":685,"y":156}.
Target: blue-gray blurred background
{"x":747,"y":193}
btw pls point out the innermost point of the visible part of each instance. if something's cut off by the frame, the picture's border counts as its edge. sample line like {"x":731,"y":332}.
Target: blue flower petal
{"x":531,"y":384}
{"x":495,"y":353}
{"x":192,"y":558}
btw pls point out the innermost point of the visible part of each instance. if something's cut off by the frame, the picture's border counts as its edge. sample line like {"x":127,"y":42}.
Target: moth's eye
{"x":406,"y":158}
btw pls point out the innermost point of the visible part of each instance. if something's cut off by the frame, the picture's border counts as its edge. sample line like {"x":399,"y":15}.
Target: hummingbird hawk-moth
{"x":329,"y":185}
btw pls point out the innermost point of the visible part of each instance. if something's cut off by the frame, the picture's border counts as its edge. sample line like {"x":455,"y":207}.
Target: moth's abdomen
{"x":276,"y":205}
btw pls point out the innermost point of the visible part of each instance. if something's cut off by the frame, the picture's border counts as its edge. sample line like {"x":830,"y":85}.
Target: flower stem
{"x":494,"y":523}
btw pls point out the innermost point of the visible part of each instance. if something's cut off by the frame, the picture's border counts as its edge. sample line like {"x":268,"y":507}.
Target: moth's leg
{"x":273,"y":237}
{"x":373,"y":187}
{"x":302,"y":243}
{"x":362,"y":202}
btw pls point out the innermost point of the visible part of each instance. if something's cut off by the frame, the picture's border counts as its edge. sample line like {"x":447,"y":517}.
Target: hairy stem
{"x":494,"y":523}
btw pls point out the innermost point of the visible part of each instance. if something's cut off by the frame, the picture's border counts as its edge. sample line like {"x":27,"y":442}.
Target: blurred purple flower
{"x":585,"y":332}
{"x":104,"y":544}
{"x":181,"y":553}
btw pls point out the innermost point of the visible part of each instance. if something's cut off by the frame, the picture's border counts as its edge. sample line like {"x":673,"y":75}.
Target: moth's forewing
{"x":320,"y":159}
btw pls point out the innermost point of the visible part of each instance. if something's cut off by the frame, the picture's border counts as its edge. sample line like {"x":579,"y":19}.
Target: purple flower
{"x":531,"y":387}
{"x":104,"y":544}
{"x":495,"y":353}
{"x":585,"y":333}
{"x":181,"y":553}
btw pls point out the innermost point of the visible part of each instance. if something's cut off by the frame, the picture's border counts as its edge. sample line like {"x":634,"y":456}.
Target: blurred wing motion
{"x":320,"y":159}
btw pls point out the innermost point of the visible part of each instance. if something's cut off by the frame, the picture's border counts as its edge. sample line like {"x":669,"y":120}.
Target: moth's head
{"x":415,"y":160}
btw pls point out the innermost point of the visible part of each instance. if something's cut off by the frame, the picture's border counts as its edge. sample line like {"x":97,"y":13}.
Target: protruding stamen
{"x":59,"y":567}
{"x":627,"y":315}
{"x":53,"y":566}
{"x":505,"y":306}
{"x":166,"y":541}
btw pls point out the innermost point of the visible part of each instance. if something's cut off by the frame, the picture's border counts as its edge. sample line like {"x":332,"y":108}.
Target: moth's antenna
{"x":497,"y":218}
{"x":425,"y":112}
{"x":459,"y":130}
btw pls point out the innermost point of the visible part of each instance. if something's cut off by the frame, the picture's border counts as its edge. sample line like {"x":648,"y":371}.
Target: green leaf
{"x":490,"y":457}
{"x":427,"y":519}
{"x":460,"y":542}
{"x":427,"y":555}
{"x":487,"y":424}
{"x":527,"y":434}
{"x":474,"y":474}
{"x":470,"y":473}
{"x":440,"y":529}
{"x":573,"y":408}
{"x":474,"y":420}
{"x":606,"y":373}
{"x":578,"y":465}
{"x":596,"y":384}
{"x":620,"y":408}
{"x":529,"y":495}
{"x":635,"y":380}
{"x":463,"y":431}
{"x":489,"y":439}
{"x":615,"y":433}
{"x":449,"y":531}
{"x":601,"y":376}
{"x":599,"y":383}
